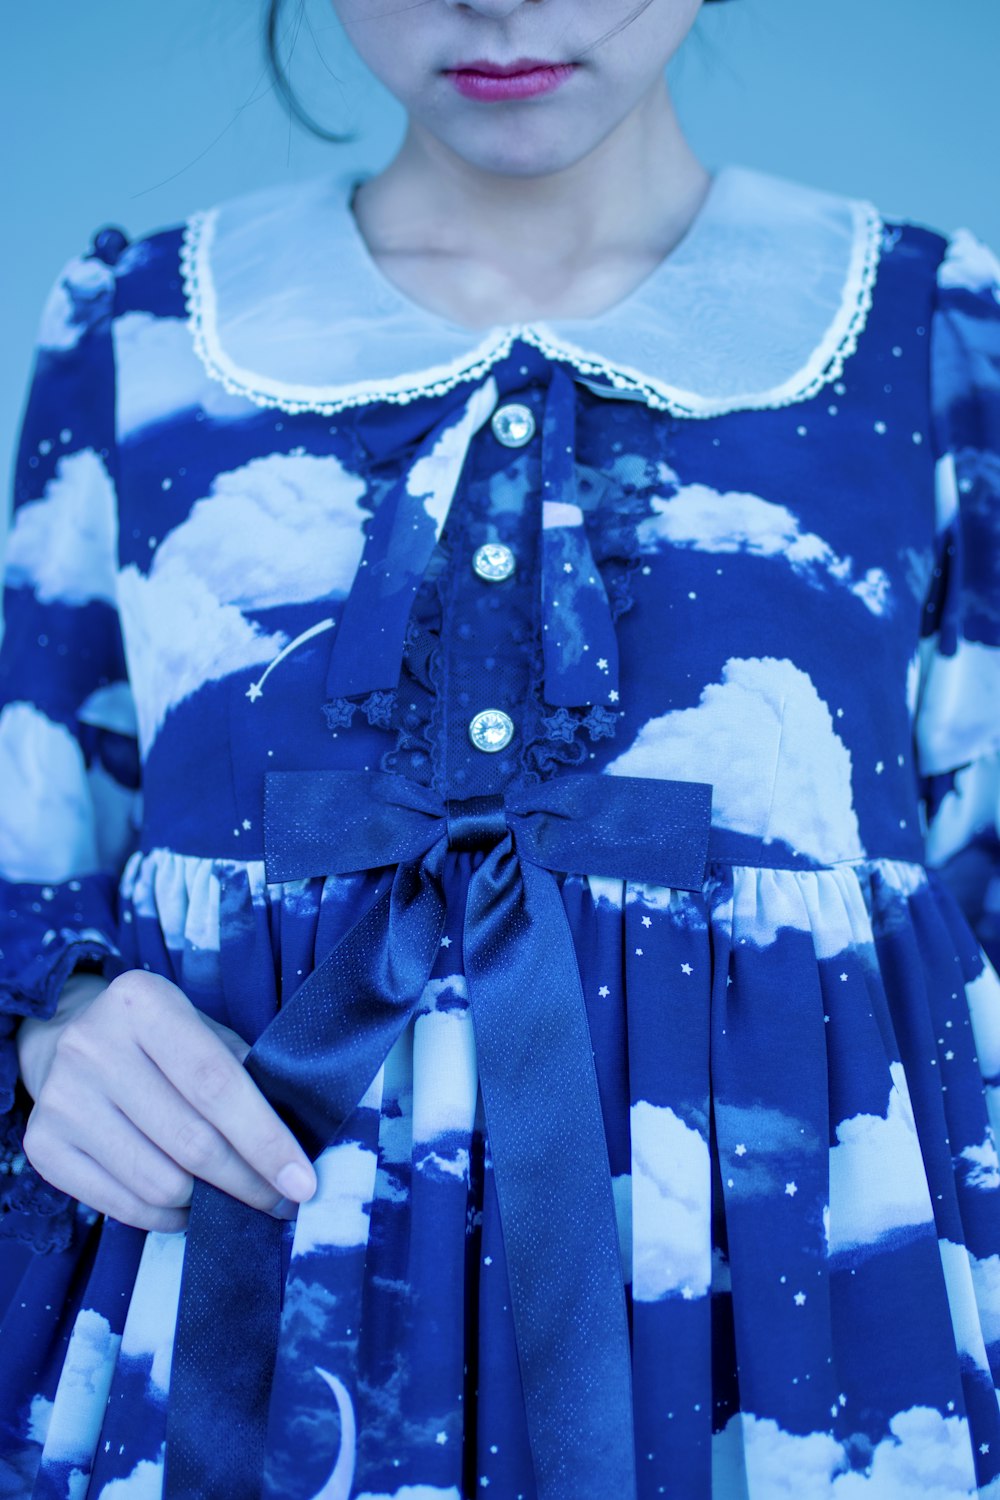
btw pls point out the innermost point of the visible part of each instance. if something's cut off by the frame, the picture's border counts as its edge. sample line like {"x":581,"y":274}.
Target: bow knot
{"x":476,"y":822}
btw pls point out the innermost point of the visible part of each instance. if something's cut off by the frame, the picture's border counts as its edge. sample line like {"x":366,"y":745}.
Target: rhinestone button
{"x":513,"y":425}
{"x":493,"y":561}
{"x":491,"y":730}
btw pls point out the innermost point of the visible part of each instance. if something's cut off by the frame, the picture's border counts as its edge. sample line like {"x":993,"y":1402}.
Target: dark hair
{"x":282,"y":82}
{"x":279,"y":75}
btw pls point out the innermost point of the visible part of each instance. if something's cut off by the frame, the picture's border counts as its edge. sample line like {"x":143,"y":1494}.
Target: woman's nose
{"x":494,"y":9}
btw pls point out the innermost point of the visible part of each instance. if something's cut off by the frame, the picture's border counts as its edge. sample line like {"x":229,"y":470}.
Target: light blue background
{"x":138,"y":113}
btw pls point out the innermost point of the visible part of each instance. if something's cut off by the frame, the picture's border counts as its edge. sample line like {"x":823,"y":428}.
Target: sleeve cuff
{"x":47,"y":931}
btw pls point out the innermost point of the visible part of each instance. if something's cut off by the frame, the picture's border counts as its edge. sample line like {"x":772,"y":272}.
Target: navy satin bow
{"x":317,"y":1058}
{"x":579,"y":641}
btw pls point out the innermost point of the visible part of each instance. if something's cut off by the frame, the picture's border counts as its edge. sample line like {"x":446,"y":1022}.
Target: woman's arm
{"x":112,"y":1094}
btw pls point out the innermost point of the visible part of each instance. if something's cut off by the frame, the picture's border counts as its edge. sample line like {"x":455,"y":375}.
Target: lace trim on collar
{"x":623,"y":327}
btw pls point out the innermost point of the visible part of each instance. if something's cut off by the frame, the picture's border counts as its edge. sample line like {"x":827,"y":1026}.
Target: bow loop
{"x":336,"y":822}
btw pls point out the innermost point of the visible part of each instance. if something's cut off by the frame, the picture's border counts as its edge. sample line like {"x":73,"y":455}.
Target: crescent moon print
{"x":338,"y":1486}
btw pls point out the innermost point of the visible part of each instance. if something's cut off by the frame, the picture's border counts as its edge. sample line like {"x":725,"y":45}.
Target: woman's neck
{"x":484,"y":248}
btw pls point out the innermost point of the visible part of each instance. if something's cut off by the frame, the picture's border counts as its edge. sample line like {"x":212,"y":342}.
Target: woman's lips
{"x":488,"y":81}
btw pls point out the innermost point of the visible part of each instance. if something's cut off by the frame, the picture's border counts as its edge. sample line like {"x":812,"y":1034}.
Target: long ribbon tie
{"x":317,"y":1058}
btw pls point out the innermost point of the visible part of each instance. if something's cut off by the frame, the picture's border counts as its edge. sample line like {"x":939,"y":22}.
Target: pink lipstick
{"x":522,"y":79}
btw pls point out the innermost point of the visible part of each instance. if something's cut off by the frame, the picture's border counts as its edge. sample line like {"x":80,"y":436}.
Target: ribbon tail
{"x":550,"y":1156}
{"x":226,"y":1344}
{"x":580,"y":646}
{"x":313,"y":1063}
{"x":367,"y":651}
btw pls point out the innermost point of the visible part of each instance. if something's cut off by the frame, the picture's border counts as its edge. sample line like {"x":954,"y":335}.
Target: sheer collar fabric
{"x":759,"y":305}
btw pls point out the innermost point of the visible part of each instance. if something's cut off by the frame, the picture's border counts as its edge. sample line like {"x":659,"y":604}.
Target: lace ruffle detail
{"x":412,"y":711}
{"x":31,"y":1210}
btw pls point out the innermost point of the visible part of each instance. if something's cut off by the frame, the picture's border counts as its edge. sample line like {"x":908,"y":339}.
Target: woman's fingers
{"x":192,"y":1146}
{"x":202,"y":1069}
{"x":116,"y":1169}
{"x":142,"y":1090}
{"x":67,"y":1167}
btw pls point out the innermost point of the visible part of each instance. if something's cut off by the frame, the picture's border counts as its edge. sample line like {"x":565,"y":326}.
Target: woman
{"x":548,"y":592}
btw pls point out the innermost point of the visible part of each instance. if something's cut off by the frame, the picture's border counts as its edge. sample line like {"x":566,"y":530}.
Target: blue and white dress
{"x":277,"y":526}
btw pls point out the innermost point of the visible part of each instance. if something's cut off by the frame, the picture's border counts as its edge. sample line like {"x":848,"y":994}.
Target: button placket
{"x":486,"y":667}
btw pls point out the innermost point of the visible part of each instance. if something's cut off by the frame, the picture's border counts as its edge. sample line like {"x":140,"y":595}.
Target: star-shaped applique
{"x":378,"y":707}
{"x":791,"y":1189}
{"x":686,"y":969}
{"x":604,"y":992}
{"x":561,"y":725}
{"x":799,"y":1299}
{"x":338,"y":713}
{"x":600,"y":723}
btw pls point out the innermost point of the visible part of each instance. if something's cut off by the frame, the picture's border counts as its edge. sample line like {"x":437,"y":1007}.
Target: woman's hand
{"x":136,"y":1093}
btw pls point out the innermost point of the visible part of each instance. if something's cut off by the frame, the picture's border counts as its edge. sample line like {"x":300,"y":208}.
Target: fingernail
{"x":295,"y":1182}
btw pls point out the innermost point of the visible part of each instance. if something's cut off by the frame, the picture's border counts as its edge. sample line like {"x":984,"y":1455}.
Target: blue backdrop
{"x":139,"y":113}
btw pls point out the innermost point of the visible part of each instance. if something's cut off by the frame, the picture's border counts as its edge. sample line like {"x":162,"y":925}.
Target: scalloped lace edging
{"x":825,"y":365}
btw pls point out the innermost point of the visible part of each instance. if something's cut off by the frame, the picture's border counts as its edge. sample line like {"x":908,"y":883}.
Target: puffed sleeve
{"x":69,"y":782}
{"x":957,"y":722}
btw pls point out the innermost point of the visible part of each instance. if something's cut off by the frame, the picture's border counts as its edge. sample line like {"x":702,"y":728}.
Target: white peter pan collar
{"x":759,"y":305}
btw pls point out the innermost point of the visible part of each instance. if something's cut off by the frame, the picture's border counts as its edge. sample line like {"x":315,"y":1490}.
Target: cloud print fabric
{"x":798,"y":1064}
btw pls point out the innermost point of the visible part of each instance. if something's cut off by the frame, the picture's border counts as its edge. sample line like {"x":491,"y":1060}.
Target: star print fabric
{"x":798,"y":1064}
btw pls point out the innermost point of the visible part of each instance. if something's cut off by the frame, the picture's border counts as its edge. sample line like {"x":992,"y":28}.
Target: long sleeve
{"x":958,"y":710}
{"x":68,"y":758}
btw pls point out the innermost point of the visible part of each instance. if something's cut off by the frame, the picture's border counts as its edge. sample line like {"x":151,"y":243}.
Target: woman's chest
{"x":525,"y":575}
